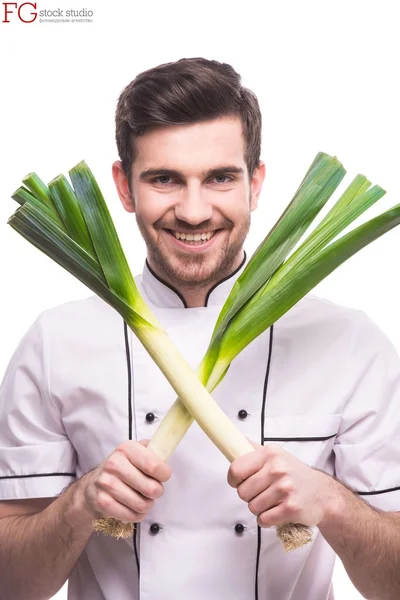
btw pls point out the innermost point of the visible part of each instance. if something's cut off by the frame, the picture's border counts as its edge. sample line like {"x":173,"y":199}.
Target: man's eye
{"x":163,"y":179}
{"x":226,"y":179}
{"x":166,"y":180}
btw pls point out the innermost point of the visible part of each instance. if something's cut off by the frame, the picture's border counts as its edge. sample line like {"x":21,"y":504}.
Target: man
{"x":317,"y":394}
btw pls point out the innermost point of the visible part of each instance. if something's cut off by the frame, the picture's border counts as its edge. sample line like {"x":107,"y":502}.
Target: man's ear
{"x":256,"y":184}
{"x":121,"y":183}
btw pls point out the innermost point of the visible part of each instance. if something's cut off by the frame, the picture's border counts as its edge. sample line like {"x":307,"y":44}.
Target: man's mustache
{"x":179,"y":225}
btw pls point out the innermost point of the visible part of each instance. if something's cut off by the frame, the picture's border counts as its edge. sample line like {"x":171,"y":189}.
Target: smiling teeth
{"x":193,"y":237}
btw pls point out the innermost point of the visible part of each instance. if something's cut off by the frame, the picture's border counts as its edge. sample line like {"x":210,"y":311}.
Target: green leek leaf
{"x":322,"y":178}
{"x":105,"y":239}
{"x":68,"y":208}
{"x":41,"y":231}
{"x":282,"y":293}
{"x":38,"y":189}
{"x":23,"y":195}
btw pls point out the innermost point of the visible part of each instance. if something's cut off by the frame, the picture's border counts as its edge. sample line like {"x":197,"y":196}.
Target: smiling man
{"x":318,"y":395}
{"x":194,"y":220}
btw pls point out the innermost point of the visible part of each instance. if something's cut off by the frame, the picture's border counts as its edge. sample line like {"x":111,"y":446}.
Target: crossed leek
{"x":72,"y":225}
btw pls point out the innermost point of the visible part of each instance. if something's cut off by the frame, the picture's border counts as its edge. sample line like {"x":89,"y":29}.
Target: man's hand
{"x":125,"y":485}
{"x":279,"y":488}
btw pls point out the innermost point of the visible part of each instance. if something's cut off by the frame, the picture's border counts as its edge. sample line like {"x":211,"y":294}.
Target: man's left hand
{"x":279,"y":488}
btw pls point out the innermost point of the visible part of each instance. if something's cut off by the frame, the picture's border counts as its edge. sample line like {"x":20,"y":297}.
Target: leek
{"x":72,"y":225}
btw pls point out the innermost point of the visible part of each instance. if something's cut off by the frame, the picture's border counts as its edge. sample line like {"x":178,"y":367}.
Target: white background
{"x":325,"y":73}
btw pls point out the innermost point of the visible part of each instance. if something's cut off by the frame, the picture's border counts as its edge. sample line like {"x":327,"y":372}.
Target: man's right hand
{"x":126,"y":484}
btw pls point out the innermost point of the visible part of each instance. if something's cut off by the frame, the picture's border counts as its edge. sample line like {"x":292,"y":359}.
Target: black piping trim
{"x":257,"y":561}
{"x":224,"y":279}
{"x":182,"y":299}
{"x":301,"y":439}
{"x":271,"y":339}
{"x":39,"y":475}
{"x":128,"y":361}
{"x":167,"y":285}
{"x":395,"y":489}
{"x":135,"y":533}
{"x":130,"y":413}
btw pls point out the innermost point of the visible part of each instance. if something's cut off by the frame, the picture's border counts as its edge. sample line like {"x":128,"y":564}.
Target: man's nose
{"x":193,"y":207}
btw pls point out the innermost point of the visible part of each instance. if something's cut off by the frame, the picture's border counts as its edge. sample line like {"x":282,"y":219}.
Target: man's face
{"x":192,"y":197}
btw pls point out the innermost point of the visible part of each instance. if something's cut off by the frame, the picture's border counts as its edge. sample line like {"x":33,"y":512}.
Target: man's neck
{"x":195,"y":295}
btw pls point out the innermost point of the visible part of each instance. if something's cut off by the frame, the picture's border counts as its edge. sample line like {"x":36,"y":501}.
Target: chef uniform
{"x":323,"y":382}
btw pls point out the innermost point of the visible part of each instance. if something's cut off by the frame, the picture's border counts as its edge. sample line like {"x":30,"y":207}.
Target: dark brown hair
{"x":183,"y":92}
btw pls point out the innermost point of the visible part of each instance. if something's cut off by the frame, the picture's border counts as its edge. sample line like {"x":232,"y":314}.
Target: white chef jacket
{"x":324,"y":382}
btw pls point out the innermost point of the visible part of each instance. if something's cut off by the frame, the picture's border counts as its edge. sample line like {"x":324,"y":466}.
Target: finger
{"x":254,"y":444}
{"x":265,"y":501}
{"x":146,"y":460}
{"x":108,"y":507}
{"x":273,"y":517}
{"x":245,"y":466}
{"x":128,"y":473}
{"x":254,"y":485}
{"x":132,"y":499}
{"x":248,"y":464}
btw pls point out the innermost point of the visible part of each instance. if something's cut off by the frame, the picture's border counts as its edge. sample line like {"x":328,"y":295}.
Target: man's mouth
{"x":193,"y":239}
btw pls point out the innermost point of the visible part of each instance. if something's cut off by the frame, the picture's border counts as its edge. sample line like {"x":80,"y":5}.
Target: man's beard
{"x":188,"y":270}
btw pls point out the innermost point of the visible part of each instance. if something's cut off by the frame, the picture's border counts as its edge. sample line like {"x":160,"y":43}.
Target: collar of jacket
{"x":163,"y":295}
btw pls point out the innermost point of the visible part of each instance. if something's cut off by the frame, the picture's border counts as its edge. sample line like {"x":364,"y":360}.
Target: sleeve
{"x":36,"y":457}
{"x":367,"y":448}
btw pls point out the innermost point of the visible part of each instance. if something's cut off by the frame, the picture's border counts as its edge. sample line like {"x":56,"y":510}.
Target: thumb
{"x":255,"y":445}
{"x":144,"y":443}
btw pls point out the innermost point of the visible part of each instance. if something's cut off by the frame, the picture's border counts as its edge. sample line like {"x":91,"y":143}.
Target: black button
{"x":155,"y":528}
{"x":239,"y":528}
{"x":242,"y":414}
{"x":150,"y":417}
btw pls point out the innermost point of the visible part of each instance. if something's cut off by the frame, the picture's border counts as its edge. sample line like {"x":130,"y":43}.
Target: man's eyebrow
{"x":178,"y":174}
